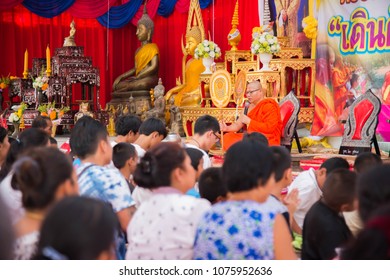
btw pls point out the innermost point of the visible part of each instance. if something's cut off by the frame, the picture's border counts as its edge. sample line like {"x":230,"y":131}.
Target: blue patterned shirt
{"x":235,"y":230}
{"x":106,"y":184}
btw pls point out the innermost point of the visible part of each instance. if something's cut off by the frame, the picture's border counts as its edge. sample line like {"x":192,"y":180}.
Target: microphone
{"x":246,"y":107}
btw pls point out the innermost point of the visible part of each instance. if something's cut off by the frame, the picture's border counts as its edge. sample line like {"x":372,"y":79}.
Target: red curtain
{"x":113,"y":50}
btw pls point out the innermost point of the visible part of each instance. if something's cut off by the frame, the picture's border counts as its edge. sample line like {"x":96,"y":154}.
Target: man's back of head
{"x":206,"y":123}
{"x":256,"y":136}
{"x":366,"y":161}
{"x":334,"y":163}
{"x":42,"y":122}
{"x":282,"y":163}
{"x":86,"y":136}
{"x":126,"y":124}
{"x":153,"y":125}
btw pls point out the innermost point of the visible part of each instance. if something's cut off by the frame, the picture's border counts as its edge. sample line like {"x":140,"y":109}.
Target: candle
{"x":48,"y":65}
{"x":25,"y":70}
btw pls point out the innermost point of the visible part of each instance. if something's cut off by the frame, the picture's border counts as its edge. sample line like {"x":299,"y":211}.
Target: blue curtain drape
{"x":204,"y":3}
{"x":166,"y":7}
{"x":48,"y":8}
{"x":119,"y":16}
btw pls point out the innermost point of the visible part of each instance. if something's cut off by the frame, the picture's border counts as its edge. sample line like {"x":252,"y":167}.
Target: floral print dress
{"x":235,"y":230}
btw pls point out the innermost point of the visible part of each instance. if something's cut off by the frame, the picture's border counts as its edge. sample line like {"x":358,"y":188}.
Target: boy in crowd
{"x":126,"y":128}
{"x":89,"y":142}
{"x":211,"y":185}
{"x":309,"y":184}
{"x":44,"y":123}
{"x":206,"y":134}
{"x":151,"y":132}
{"x":324,"y":228}
{"x":125,"y":158}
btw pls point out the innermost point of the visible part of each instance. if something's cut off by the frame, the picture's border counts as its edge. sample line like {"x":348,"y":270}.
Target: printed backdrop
{"x":353,"y":55}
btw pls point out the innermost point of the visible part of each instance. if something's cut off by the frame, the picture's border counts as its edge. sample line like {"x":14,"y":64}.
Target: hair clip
{"x":52,"y":254}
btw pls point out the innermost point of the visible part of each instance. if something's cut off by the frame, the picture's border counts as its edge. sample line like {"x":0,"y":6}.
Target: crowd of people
{"x":140,"y":197}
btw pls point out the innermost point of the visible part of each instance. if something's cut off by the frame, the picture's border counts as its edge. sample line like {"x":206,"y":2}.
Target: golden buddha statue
{"x":139,"y":80}
{"x":188,"y":93}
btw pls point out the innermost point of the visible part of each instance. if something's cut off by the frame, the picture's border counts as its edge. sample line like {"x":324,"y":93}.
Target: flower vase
{"x":265,"y":58}
{"x":40,"y":96}
{"x":207,"y":62}
{"x":53,"y":130}
{"x":16,"y":132}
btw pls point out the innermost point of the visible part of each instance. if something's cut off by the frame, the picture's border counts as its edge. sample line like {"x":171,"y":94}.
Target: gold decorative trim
{"x":191,"y":114}
{"x":245,"y":65}
{"x":220,"y":88}
{"x":287,"y":53}
{"x":296,"y":64}
{"x":306,"y":114}
{"x":240,"y":88}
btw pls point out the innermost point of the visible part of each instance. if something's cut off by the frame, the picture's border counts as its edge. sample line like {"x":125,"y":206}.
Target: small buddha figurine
{"x":132,"y":106}
{"x":69,"y":41}
{"x":83,"y":111}
{"x":144,"y":75}
{"x":188,"y":93}
{"x":159,"y":103}
{"x":111,"y":126}
{"x":176,"y":124}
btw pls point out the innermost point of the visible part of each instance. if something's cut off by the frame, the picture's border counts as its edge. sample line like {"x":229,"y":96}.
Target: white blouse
{"x":164,"y":227}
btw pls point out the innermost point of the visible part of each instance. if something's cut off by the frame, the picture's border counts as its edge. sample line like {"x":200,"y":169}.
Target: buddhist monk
{"x":263,"y":116}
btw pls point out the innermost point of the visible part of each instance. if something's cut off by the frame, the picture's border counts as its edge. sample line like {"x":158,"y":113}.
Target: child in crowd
{"x":28,"y":139}
{"x":89,"y":142}
{"x":127,"y":129}
{"x":363,"y":163}
{"x":324,"y":228}
{"x":44,"y":176}
{"x":255,"y":136}
{"x":164,"y":226}
{"x":309,"y":184}
{"x":125,"y":158}
{"x":373,"y":241}
{"x":78,"y":228}
{"x":151,"y":132}
{"x":211,"y":185}
{"x":373,"y":191}
{"x":283,"y":178}
{"x":196,"y":157}
{"x":44,"y":123}
{"x":206,"y":135}
{"x":244,"y":227}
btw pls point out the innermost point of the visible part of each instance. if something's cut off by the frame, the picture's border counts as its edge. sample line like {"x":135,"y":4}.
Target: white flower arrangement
{"x":207,"y":49}
{"x":13,"y":117}
{"x":41,"y":82}
{"x":265,"y":43}
{"x":17,"y":115}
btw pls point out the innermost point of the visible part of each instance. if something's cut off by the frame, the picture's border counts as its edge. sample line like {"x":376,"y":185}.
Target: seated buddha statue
{"x":69,"y":41}
{"x":188,"y":93}
{"x":139,"y":80}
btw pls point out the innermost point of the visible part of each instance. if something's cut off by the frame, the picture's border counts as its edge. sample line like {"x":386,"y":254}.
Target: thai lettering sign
{"x":353,"y":55}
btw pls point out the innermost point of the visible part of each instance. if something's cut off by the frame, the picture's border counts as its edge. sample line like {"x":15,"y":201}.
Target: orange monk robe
{"x":386,"y":89}
{"x":325,"y":120}
{"x":265,"y":118}
{"x":339,"y":79}
{"x":144,"y":55}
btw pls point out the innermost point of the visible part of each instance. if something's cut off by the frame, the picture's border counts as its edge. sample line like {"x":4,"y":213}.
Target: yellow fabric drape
{"x":144,"y":56}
